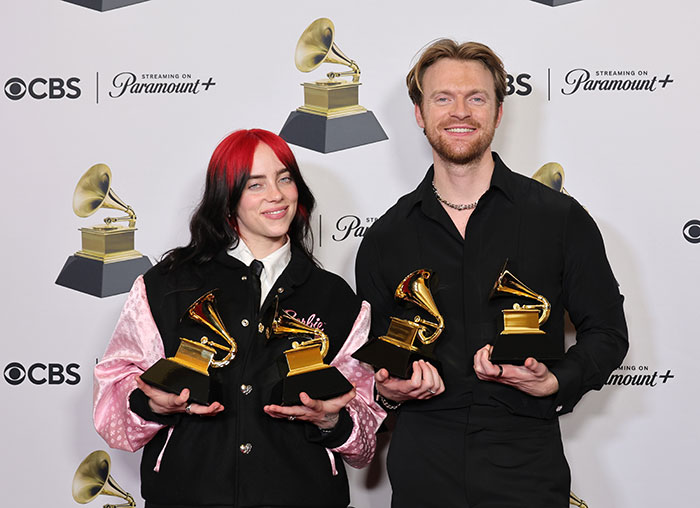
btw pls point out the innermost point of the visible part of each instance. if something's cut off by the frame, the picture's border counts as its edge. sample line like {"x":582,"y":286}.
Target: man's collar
{"x":500,"y":179}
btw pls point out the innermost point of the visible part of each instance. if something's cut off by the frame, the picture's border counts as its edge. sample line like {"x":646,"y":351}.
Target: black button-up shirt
{"x":553,"y":246}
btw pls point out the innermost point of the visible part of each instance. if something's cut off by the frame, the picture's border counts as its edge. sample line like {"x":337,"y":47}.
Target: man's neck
{"x":463,"y":183}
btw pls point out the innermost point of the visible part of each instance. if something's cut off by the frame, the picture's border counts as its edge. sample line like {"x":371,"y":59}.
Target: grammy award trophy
{"x":189,"y":368}
{"x":521,"y":337}
{"x":303,"y":369}
{"x":407,"y":341}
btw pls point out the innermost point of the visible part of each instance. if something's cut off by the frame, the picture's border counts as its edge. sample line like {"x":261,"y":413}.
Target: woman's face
{"x":268,"y":204}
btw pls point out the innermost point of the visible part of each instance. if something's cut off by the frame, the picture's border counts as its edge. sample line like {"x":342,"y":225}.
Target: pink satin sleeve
{"x":366,"y":414}
{"x":133,"y":348}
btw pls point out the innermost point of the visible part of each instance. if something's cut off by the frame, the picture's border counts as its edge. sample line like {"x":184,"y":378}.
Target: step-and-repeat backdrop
{"x":148,"y":88}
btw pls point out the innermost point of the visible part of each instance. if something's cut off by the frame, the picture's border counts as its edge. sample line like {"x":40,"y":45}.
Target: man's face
{"x":459,"y":112}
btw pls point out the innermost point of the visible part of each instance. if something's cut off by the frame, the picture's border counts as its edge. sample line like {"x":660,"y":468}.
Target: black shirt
{"x":553,"y":246}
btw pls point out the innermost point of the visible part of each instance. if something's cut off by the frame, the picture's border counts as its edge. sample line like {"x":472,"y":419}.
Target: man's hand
{"x":168,"y":403}
{"x":424,"y":383}
{"x":322,"y":413}
{"x":533,"y":377}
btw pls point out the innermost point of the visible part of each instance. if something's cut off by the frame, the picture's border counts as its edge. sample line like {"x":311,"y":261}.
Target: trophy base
{"x":101,"y":279}
{"x":516,"y":348}
{"x":104,"y":5}
{"x":554,"y":3}
{"x":325,"y":135}
{"x":397,"y":360}
{"x":172,"y":377}
{"x":321,"y":384}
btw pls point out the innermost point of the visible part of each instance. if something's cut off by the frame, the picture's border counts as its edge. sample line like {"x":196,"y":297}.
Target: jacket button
{"x":280,"y":290}
{"x":246,"y":389}
{"x":245,"y":277}
{"x":246,"y":448}
{"x":245,"y":322}
{"x":261,"y":327}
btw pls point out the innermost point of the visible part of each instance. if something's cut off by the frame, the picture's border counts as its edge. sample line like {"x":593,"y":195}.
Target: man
{"x":479,"y":434}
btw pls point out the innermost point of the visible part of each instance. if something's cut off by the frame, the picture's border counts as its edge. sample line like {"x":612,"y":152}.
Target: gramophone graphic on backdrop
{"x":331,"y":118}
{"x":104,"y":5}
{"x":107,"y":264}
{"x":93,"y":478}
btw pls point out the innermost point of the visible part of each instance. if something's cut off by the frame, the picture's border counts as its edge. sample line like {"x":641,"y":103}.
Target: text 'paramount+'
{"x":129,"y":82}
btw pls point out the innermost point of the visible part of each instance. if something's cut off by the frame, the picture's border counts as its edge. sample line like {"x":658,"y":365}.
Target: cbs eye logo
{"x":691,"y":231}
{"x":40,"y":373}
{"x":42,"y":88}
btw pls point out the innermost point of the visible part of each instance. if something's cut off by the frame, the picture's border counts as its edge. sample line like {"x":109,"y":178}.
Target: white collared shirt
{"x":273,"y":264}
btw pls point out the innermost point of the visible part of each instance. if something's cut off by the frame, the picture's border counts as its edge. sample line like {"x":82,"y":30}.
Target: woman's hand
{"x":322,"y":413}
{"x":165,"y":403}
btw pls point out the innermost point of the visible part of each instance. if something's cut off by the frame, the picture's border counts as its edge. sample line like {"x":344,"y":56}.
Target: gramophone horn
{"x":92,"y":479}
{"x":413,"y":288}
{"x":94,"y":191}
{"x":316,"y":45}
{"x":551,"y":175}
{"x":204,"y":311}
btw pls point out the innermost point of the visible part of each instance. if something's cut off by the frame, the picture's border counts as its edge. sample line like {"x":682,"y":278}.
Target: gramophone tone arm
{"x":544,"y":307}
{"x":322,"y":339}
{"x":131,"y":218}
{"x":439,"y":327}
{"x":355,"y":72}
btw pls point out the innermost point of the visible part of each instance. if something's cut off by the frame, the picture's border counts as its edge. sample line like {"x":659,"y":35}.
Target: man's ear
{"x":419,"y":117}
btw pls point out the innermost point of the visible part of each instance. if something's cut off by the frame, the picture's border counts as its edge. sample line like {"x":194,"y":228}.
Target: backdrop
{"x":606,"y":89}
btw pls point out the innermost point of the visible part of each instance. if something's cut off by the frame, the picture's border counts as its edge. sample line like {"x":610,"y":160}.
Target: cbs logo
{"x":519,"y":85}
{"x":40,"y":373}
{"x":691,"y":231}
{"x":41,"y":88}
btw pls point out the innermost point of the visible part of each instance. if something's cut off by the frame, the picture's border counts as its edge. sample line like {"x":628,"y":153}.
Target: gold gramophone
{"x":189,"y":368}
{"x":551,"y":175}
{"x":398,"y":349}
{"x":521,"y":337}
{"x":107,"y":264}
{"x":304,"y":370}
{"x":331,"y":118}
{"x":92,"y":479}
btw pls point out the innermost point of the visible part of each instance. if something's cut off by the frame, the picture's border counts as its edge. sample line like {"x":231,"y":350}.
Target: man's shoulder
{"x":391,"y":221}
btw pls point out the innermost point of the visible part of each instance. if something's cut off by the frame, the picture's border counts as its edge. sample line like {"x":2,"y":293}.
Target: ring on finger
{"x":188,"y":409}
{"x":431,"y":391}
{"x":291,"y":418}
{"x":500,"y":370}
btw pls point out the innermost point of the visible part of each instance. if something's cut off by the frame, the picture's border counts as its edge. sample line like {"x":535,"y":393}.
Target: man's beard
{"x":461,"y":154}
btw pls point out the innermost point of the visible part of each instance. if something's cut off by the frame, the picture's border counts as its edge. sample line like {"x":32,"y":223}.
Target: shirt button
{"x":280,"y":290}
{"x":246,"y":448}
{"x":246,"y":389}
{"x":245,"y":322}
{"x":261,"y":327}
{"x":245,"y":277}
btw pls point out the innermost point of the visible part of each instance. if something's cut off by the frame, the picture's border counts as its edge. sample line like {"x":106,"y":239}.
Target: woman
{"x":240,"y":451}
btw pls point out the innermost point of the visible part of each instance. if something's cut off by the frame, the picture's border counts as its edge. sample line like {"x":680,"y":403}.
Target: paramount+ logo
{"x":41,"y":373}
{"x":17,"y":88}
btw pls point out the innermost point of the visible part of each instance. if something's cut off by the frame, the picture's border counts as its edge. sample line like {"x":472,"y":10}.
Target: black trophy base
{"x":322,"y":384}
{"x":516,"y":348}
{"x":104,"y":5}
{"x":397,"y":360}
{"x":325,"y":135}
{"x":101,"y":279}
{"x":172,"y":377}
{"x":554,"y":3}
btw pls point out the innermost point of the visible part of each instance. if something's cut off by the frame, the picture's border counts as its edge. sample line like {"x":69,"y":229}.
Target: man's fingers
{"x":381,"y":375}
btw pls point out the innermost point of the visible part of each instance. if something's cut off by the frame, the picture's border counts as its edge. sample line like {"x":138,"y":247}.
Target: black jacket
{"x":286,"y":464}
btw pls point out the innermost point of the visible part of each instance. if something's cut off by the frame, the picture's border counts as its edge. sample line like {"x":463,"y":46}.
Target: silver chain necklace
{"x":468,"y":206}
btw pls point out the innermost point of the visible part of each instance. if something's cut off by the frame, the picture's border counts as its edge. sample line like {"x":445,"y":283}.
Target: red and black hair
{"x":213,"y":225}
